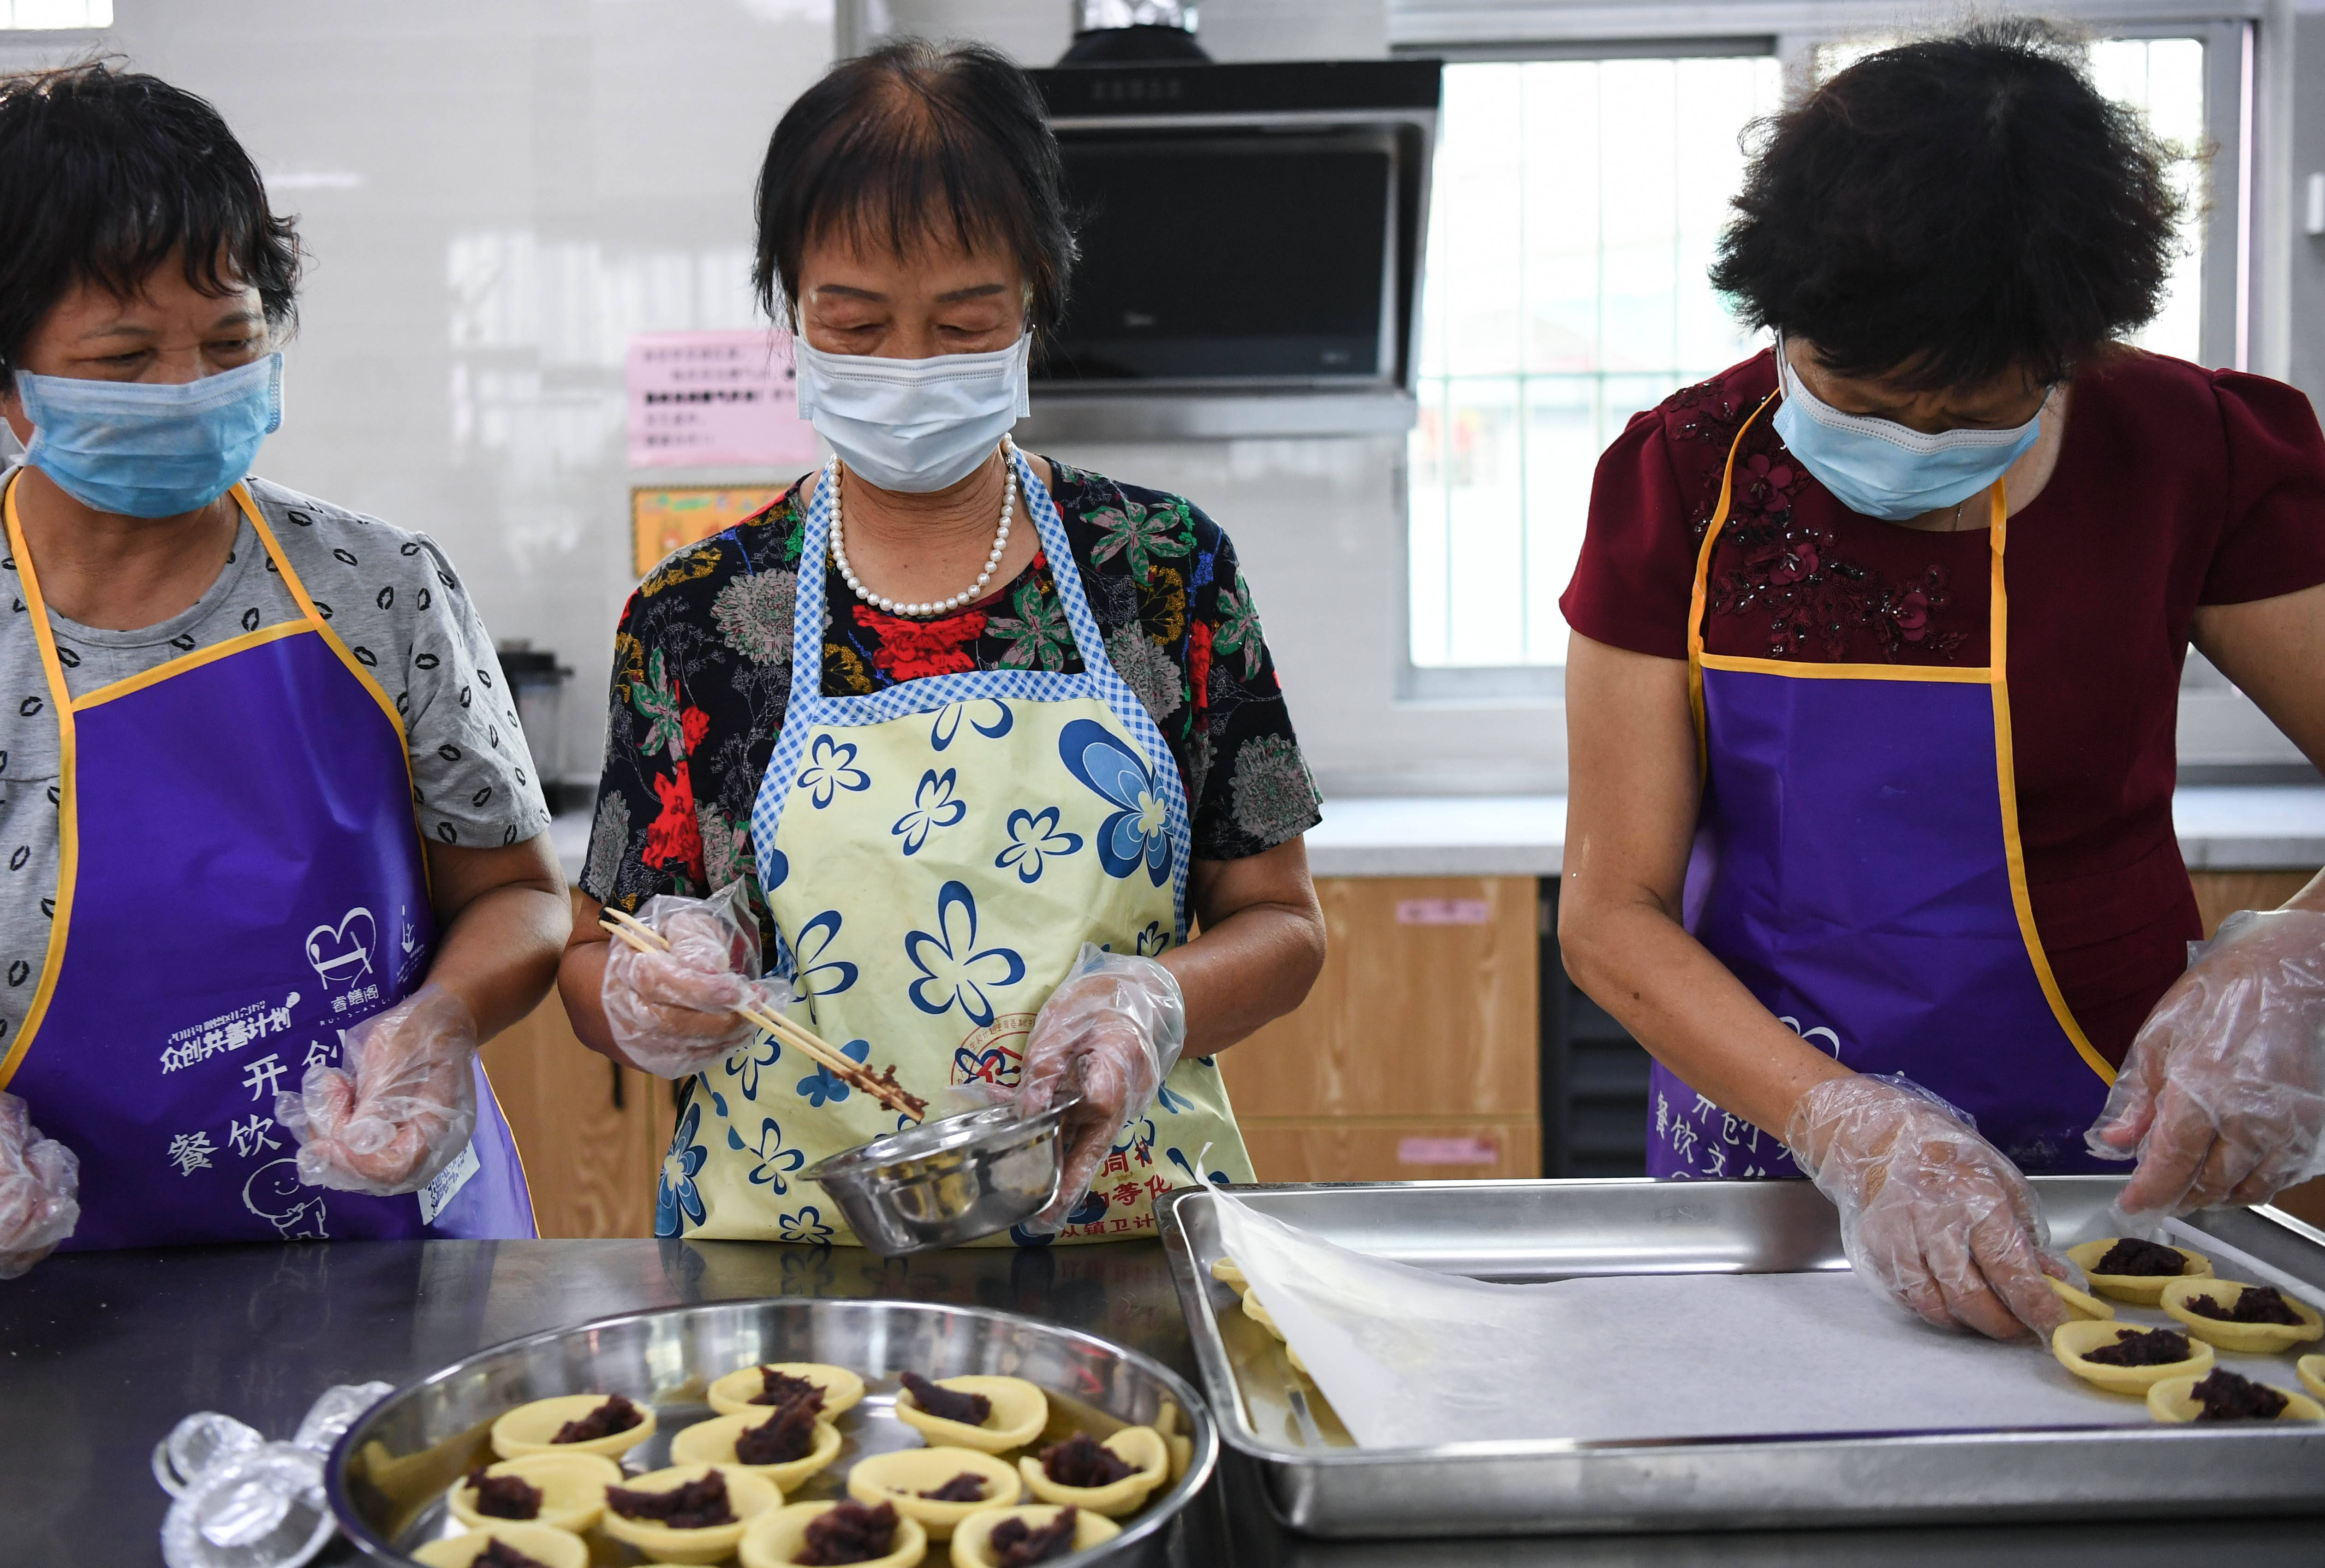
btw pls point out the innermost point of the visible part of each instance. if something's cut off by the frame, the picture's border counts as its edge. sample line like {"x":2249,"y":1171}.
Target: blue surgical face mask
{"x":1878,"y":467}
{"x":915,"y":425}
{"x":146,"y":448}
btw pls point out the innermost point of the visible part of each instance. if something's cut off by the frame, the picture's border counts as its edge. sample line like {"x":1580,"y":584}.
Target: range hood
{"x":1251,"y":248}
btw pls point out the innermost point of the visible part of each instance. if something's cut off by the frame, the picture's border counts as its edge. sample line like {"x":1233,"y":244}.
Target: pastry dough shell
{"x":774,"y":1540}
{"x":2310,"y":1370}
{"x":2139,"y":1289}
{"x":1140,"y":1447}
{"x":970,"y":1547}
{"x":747,"y":1495}
{"x":1256,"y":1310}
{"x":2071,"y":1341}
{"x":572,"y":1490}
{"x":899,"y":1477}
{"x":553,"y":1548}
{"x":2089,"y":1307}
{"x":2256,"y":1338}
{"x":712,"y":1441}
{"x":2173,"y":1399}
{"x":842,"y":1389}
{"x":528,"y":1428}
{"x":1228,"y":1274}
{"x":1020,"y":1411}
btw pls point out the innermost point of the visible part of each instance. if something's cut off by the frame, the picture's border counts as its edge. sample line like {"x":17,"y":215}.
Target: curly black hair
{"x":105,"y":175}
{"x":1945,"y":211}
{"x":913,"y":139}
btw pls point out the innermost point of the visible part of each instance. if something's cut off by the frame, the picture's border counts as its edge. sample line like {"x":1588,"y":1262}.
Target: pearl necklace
{"x":967,"y":595}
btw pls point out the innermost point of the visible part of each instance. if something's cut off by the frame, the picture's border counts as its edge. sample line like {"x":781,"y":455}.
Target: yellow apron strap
{"x":1697,"y":594}
{"x":68,"y":804}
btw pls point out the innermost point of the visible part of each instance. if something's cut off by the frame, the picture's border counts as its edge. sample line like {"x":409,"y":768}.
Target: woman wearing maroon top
{"x":1870,"y":838}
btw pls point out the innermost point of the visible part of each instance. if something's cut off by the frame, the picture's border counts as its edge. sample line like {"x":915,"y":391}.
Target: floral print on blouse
{"x":702,"y":673}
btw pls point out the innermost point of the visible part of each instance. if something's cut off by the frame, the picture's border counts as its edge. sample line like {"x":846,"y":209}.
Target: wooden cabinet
{"x":591,"y":1134}
{"x":1416,"y":1057}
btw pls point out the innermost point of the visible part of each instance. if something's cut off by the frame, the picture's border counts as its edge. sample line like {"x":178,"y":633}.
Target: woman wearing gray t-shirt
{"x":276,"y":859}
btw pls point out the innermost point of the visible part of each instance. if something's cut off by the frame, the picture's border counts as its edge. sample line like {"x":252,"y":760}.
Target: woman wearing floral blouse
{"x":970,"y":831}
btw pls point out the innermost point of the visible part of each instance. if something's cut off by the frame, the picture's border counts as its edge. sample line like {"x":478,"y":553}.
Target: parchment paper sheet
{"x":1411,"y":1358}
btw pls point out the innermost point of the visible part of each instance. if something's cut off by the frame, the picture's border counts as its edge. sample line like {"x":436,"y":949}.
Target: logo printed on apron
{"x":1857,"y":866}
{"x":240,"y":882}
{"x":934,"y":855}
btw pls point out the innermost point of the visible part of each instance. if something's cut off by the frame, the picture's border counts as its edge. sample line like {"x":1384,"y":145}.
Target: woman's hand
{"x":40,"y":1186}
{"x":1930,"y":1214}
{"x":2222,"y":1097}
{"x":1110,"y":1035}
{"x":399,"y":1108}
{"x":673,"y":1013}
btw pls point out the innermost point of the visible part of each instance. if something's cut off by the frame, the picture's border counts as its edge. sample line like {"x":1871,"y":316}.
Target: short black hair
{"x":909,"y":142}
{"x":104,"y":174}
{"x":1947,"y":209}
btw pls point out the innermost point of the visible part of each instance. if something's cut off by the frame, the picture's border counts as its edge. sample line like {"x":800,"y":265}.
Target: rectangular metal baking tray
{"x":1318,"y":1482}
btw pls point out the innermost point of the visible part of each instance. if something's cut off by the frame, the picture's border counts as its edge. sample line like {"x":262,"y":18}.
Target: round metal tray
{"x":388,"y":1476}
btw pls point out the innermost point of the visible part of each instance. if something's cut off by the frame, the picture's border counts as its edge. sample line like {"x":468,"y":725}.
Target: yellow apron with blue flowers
{"x":934,"y":855}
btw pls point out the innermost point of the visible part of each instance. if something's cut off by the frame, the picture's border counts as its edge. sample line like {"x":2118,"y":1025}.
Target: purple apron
{"x":1857,"y":865}
{"x":240,"y":882}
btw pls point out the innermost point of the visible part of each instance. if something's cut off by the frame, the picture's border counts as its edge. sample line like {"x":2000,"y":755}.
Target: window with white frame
{"x":45,"y":15}
{"x":1575,"y":209}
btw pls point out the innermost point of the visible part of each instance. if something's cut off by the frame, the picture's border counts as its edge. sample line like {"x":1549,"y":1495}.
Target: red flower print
{"x":675,"y":838}
{"x":1198,"y":662}
{"x":1913,"y":615}
{"x":695,"y":723}
{"x":909,"y":650}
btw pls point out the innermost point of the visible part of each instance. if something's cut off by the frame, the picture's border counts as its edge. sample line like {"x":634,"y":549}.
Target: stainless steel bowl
{"x":945,"y":1183}
{"x":387,"y":1477}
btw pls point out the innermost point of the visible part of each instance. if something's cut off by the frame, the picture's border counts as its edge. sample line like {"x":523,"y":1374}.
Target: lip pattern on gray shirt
{"x":391,"y":596}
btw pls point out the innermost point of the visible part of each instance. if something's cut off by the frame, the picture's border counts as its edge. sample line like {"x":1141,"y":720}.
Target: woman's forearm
{"x":1640,"y":964}
{"x":581,"y":980}
{"x":1250,"y":969}
{"x":505,"y":919}
{"x":500,"y":955}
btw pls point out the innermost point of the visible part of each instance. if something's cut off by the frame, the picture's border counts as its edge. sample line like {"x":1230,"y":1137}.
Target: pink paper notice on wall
{"x":711,"y":399}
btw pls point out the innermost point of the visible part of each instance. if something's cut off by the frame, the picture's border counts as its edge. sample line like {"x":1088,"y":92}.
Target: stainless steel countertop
{"x":103,"y":1351}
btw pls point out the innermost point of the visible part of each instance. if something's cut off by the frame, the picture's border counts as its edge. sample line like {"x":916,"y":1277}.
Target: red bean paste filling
{"x":850,"y":1533}
{"x":504,"y":1496}
{"x":1017,"y":1545}
{"x":616,"y":1415}
{"x":788,"y":1434}
{"x":947,"y":1404}
{"x":2226,"y":1396}
{"x":781,"y":1389}
{"x":2143,"y":1259}
{"x":698,"y":1505}
{"x":2158,"y":1347}
{"x":968,"y":1487}
{"x":1082,"y":1461}
{"x":499,"y":1554}
{"x":2258,"y":1303}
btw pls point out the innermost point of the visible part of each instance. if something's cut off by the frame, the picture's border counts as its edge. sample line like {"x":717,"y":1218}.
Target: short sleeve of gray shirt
{"x":390,"y":596}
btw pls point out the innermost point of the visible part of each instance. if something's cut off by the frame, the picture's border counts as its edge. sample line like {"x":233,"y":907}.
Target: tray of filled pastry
{"x":1550,"y":1357}
{"x":774,"y":1433}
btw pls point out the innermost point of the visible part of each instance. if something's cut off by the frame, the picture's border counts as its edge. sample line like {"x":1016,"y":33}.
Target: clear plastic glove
{"x":398,"y":1108}
{"x":1110,"y":1034}
{"x":673,"y":1013}
{"x":2222,"y":1098}
{"x":1931,"y":1214}
{"x":39,"y":1188}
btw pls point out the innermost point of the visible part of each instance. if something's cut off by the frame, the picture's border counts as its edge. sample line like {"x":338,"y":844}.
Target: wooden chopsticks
{"x":884,"y":1088}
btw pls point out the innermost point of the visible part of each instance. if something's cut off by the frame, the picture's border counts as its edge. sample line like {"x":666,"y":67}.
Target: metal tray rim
{"x":1200,"y":1463}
